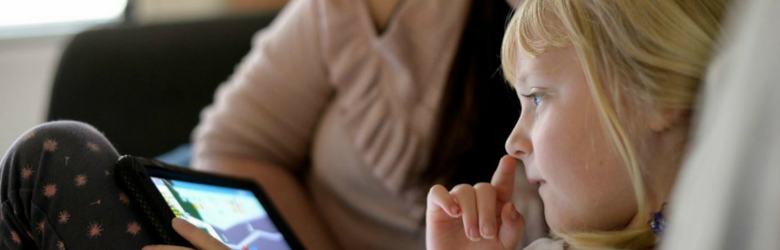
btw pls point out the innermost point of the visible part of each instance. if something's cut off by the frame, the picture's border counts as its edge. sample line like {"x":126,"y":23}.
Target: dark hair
{"x":479,"y":108}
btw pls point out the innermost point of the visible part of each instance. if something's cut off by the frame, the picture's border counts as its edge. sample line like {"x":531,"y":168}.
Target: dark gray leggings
{"x":58,"y":192}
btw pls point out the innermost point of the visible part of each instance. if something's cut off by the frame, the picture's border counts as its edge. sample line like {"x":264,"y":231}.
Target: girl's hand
{"x":478,"y":217}
{"x":200,"y":239}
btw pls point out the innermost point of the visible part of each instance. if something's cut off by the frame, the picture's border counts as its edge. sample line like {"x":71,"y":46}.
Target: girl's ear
{"x":663,"y":118}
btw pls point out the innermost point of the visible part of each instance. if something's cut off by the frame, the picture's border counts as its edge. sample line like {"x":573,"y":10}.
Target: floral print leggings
{"x":57,"y":191}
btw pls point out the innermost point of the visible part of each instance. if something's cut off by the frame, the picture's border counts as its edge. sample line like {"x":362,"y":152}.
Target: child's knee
{"x":64,"y":129}
{"x":58,"y":136}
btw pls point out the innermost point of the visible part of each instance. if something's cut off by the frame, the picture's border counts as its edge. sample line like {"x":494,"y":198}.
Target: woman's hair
{"x":478,"y":109}
{"x":650,"y":53}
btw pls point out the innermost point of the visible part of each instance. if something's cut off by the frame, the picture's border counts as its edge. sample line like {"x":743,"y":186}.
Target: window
{"x":40,"y":17}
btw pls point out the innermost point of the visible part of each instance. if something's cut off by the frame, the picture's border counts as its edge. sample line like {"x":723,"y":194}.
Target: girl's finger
{"x":486,"y":207}
{"x":466,"y":198}
{"x":440,"y":199}
{"x":198,"y":238}
{"x":504,"y":178}
{"x":512,"y":226}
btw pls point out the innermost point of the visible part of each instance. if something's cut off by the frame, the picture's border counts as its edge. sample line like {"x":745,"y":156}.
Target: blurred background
{"x":35,"y":33}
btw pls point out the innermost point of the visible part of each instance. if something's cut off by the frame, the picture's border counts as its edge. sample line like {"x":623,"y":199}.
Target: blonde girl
{"x":607,"y":89}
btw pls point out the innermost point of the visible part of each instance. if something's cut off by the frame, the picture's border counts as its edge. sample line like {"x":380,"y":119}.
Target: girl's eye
{"x":535,"y":97}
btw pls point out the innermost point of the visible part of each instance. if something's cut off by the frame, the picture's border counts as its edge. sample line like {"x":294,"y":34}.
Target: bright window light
{"x":43,"y":12}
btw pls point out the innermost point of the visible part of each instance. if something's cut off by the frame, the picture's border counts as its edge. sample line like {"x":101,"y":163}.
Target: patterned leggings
{"x":58,"y":192}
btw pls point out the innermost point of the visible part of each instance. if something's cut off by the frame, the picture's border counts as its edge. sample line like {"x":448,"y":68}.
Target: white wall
{"x":152,"y":11}
{"x":26,"y":72}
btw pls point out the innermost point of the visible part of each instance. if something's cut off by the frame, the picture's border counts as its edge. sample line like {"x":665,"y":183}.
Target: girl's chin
{"x":552,"y":215}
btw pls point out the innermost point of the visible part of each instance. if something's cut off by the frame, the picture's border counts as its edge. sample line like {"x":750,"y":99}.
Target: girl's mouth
{"x":536,"y":182}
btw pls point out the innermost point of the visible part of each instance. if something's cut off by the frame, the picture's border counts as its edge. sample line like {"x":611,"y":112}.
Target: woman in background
{"x":349,"y":111}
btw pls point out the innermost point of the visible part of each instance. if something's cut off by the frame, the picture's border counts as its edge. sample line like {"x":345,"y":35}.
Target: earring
{"x":658,"y":223}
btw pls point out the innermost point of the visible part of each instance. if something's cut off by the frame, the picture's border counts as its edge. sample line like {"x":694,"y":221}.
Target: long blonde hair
{"x":649,"y":52}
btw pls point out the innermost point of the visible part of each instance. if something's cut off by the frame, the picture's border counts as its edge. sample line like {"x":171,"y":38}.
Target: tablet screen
{"x":234,"y":216}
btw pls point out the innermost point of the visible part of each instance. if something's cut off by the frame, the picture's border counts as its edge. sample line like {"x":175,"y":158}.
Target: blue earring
{"x":658,"y":223}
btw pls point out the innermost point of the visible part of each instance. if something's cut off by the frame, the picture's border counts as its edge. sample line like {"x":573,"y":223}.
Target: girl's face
{"x":565,"y":150}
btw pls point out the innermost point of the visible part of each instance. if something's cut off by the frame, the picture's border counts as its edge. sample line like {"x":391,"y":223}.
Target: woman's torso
{"x":379,"y":126}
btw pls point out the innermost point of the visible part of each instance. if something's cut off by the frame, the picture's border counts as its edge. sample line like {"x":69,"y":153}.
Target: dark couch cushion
{"x":144,"y":86}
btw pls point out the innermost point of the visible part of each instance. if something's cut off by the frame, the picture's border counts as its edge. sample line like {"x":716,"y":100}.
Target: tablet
{"x":234,"y":211}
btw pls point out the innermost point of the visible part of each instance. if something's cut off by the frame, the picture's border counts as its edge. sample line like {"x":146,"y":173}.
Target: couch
{"x":143,"y":86}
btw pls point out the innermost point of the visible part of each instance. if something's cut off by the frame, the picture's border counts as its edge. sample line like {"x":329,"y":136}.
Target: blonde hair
{"x":649,"y":52}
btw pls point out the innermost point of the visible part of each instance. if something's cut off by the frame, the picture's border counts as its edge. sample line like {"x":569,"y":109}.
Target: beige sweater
{"x":321,"y":84}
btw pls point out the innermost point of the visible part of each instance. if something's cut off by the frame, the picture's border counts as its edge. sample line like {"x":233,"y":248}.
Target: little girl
{"x":607,"y":89}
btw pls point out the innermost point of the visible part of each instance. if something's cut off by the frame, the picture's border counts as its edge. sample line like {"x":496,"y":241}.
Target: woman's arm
{"x":262,"y":121}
